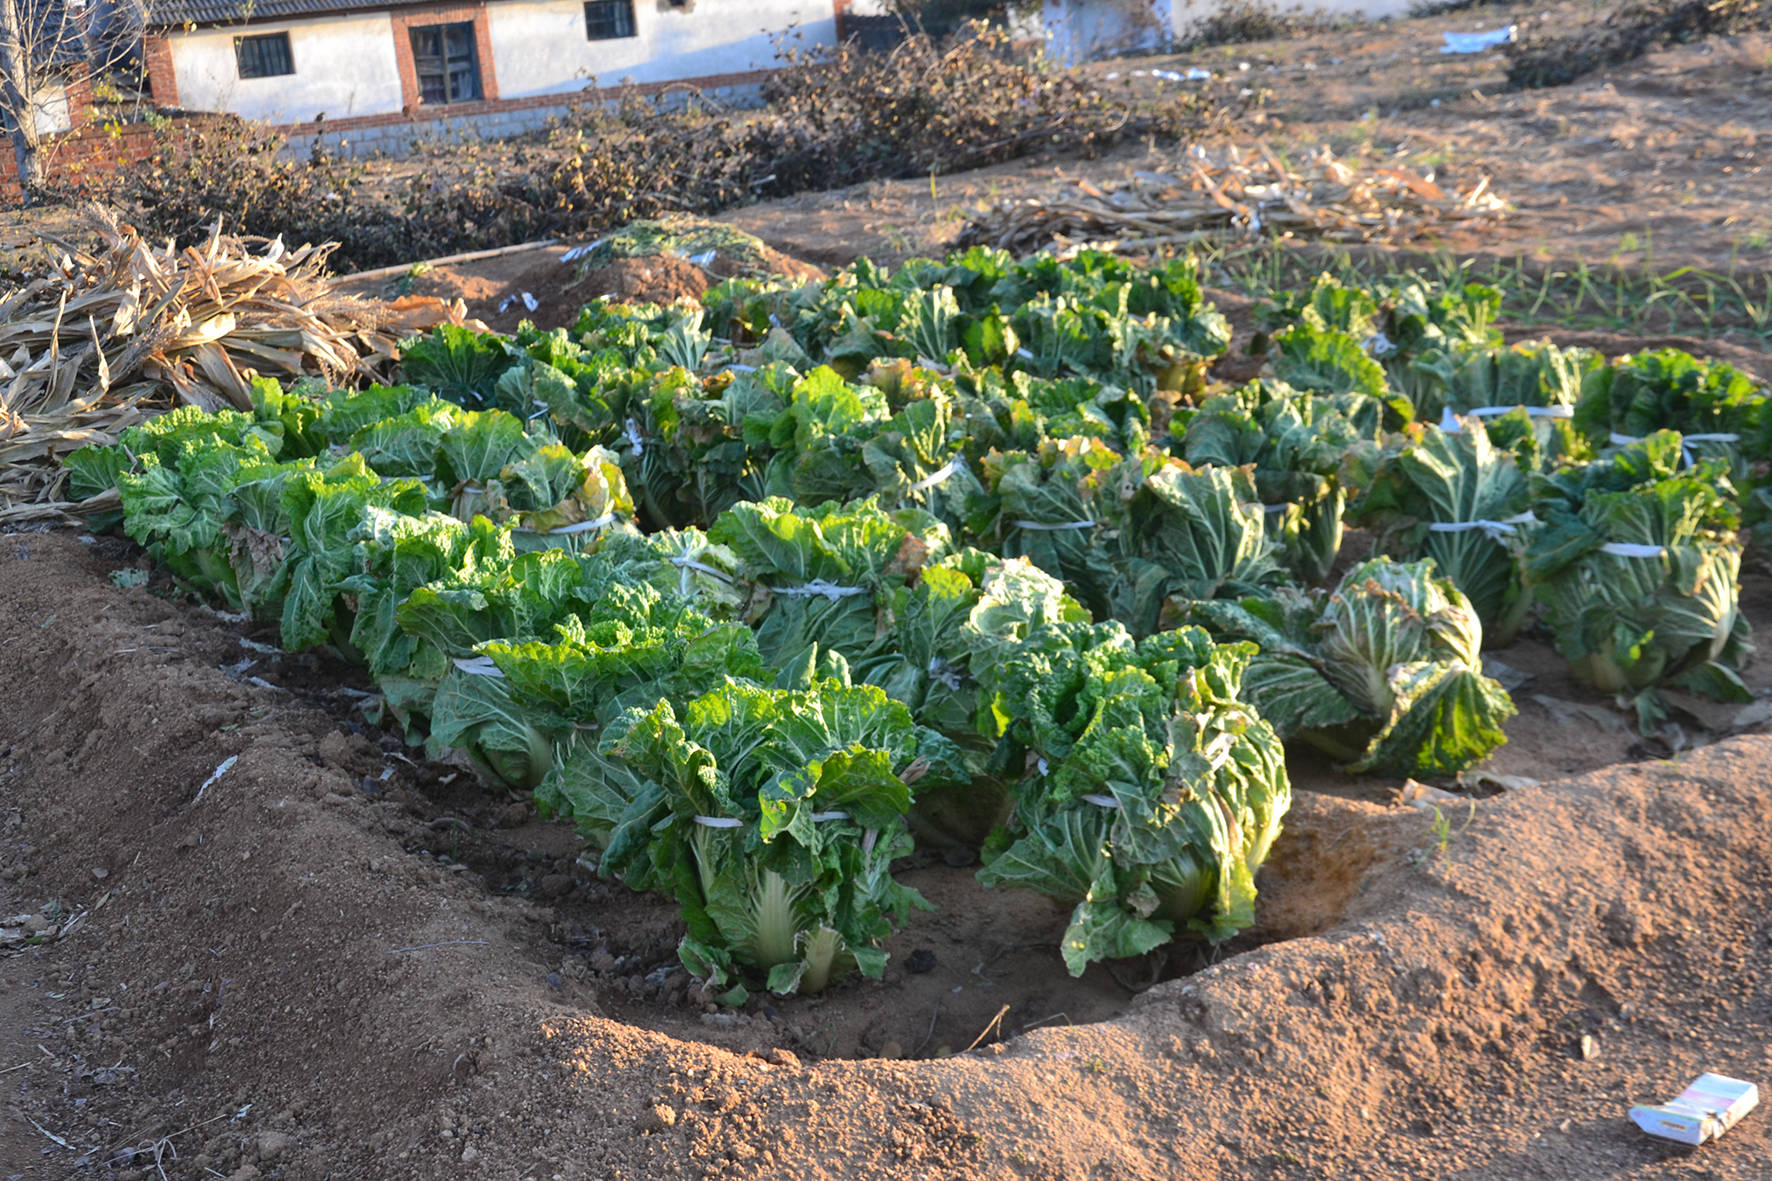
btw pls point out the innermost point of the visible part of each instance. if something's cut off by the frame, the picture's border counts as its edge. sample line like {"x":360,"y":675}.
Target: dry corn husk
{"x":113,"y":335}
{"x":1237,"y":194}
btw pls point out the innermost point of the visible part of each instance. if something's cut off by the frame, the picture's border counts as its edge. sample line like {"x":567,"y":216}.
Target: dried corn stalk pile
{"x":113,"y":335}
{"x":1237,"y":194}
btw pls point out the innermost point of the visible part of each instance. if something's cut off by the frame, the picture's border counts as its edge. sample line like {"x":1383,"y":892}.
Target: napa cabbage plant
{"x":1151,"y":795}
{"x":1457,"y":498}
{"x":1384,"y":673}
{"x":1639,"y":570}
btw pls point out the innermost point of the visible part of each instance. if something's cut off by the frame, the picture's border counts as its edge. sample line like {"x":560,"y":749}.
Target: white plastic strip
{"x":1042,"y":527}
{"x":1449,"y":421}
{"x":1378,"y":345}
{"x":578,"y":252}
{"x":632,"y":430}
{"x":937,"y":476}
{"x":602,"y":522}
{"x":478,"y":666}
{"x":728,"y":822}
{"x":819,"y":586}
{"x":226,"y":765}
{"x":1494,"y":530}
{"x":1100,"y":801}
{"x":1631,"y":549}
{"x":1687,"y":456}
{"x":683,"y":563}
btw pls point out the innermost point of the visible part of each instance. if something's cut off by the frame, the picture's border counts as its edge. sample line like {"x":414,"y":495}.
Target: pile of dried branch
{"x":125,"y":330}
{"x":1237,"y":195}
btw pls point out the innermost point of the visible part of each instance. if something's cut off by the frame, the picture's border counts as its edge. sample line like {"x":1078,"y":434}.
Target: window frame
{"x":260,"y":39}
{"x":445,"y":63}
{"x":623,"y":11}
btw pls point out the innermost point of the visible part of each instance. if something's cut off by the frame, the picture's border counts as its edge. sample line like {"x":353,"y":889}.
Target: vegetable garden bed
{"x":973,"y":558}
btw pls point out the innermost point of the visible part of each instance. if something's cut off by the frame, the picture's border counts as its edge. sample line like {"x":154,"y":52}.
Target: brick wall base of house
{"x":101,"y":146}
{"x":75,"y":159}
{"x":402,"y":134}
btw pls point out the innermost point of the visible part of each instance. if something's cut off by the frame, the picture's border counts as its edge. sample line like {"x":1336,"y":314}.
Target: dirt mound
{"x":334,"y":961}
{"x":540,"y":286}
{"x":659,"y":279}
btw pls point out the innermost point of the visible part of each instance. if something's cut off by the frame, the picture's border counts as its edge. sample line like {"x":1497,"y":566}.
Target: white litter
{"x":1703,"y":1111}
{"x":219,"y":772}
{"x":1478,"y":42}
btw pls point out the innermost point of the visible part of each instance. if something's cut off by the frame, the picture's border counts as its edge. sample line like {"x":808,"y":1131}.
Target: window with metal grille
{"x":443,"y":58}
{"x":607,"y":19}
{"x":263,"y":56}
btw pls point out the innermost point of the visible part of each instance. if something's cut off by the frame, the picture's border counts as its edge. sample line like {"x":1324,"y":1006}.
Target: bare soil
{"x":541,"y":287}
{"x":337,"y":960}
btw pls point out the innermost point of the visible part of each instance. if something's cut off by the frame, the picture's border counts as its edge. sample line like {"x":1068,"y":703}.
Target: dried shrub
{"x":845,"y":117}
{"x":235,"y":170}
{"x":1238,"y":21}
{"x":1628,"y":32}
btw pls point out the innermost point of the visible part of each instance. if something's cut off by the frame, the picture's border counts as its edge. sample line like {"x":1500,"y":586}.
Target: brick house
{"x":380,"y":73}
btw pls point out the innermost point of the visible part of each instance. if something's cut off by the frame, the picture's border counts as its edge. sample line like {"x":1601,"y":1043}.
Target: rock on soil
{"x":321,"y":970}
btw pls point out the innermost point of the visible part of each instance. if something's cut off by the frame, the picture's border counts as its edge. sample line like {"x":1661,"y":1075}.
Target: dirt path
{"x":298,"y":972}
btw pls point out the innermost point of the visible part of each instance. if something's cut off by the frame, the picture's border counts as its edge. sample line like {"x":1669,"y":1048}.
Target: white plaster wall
{"x":51,"y":112}
{"x":539,"y":46}
{"x":1086,"y":30}
{"x":344,"y":67}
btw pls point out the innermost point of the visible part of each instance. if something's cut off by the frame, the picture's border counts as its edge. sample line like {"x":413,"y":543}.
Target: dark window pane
{"x":263,"y":56}
{"x":606,"y":19}
{"x":445,"y":63}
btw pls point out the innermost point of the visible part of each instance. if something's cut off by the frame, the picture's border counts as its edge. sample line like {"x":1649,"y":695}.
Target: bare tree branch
{"x":48,"y":48}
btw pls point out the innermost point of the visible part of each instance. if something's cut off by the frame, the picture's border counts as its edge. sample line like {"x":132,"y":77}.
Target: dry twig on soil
{"x":113,"y":335}
{"x":1238,"y":194}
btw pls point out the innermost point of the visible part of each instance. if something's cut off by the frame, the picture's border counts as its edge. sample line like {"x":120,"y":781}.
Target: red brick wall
{"x":91,"y":151}
{"x":416,"y":114}
{"x":162,"y":80}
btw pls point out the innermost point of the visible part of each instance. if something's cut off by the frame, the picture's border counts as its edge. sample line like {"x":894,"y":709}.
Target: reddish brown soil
{"x":256,"y":981}
{"x":495,"y":289}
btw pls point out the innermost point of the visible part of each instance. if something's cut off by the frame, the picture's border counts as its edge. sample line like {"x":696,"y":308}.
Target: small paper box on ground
{"x":1704,"y":1110}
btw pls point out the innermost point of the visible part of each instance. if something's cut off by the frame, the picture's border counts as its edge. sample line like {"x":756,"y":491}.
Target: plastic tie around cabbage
{"x":937,"y":476}
{"x":729,"y":822}
{"x":1687,"y":456}
{"x":1450,"y":424}
{"x":478,"y":666}
{"x":1493,"y":530}
{"x":819,"y":586}
{"x":1044,"y":527}
{"x":602,"y":522}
